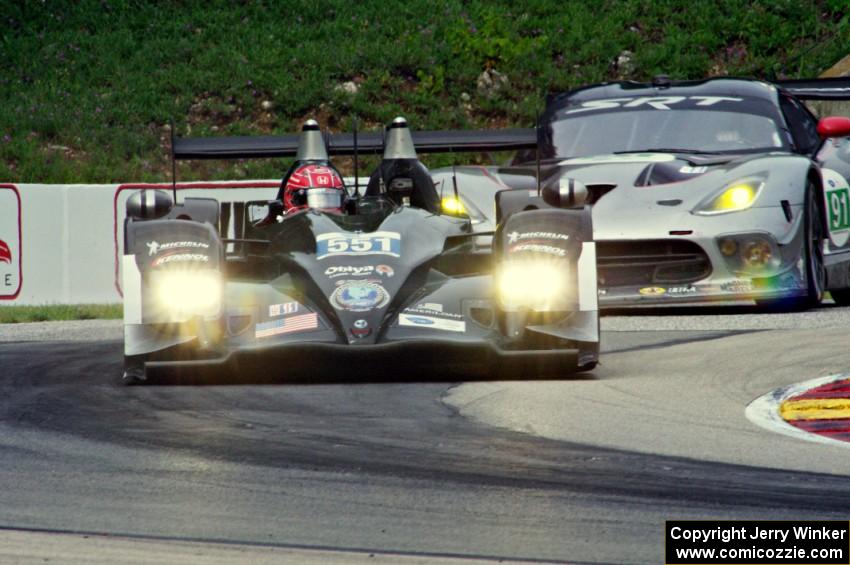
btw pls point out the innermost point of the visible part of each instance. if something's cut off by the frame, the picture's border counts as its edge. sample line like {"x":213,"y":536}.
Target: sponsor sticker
{"x":283,"y":309}
{"x":515,"y":237}
{"x":155,"y":247}
{"x":291,"y":324}
{"x":652,"y":102}
{"x":689,"y":170}
{"x":431,"y":322}
{"x":680,"y":290}
{"x":376,"y":243}
{"x":359,"y":296}
{"x":426,"y":309}
{"x":652,"y":291}
{"x":739,"y":286}
{"x":358,"y":271}
{"x":349,"y":271}
{"x":538,"y":248}
{"x":11,"y":260}
{"x":177,"y":257}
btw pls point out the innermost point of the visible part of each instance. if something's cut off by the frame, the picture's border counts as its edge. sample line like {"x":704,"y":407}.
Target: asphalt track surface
{"x":415,"y":469}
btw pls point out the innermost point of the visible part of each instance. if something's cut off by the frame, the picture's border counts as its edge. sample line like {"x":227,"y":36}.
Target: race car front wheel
{"x":812,"y":256}
{"x":815,"y":270}
{"x":841,"y":296}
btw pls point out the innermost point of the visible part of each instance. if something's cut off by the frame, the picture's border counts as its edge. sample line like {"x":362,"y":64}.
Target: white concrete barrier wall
{"x":61,"y":244}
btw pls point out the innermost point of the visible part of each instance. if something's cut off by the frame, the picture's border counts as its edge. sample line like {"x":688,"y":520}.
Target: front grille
{"x":658,"y":261}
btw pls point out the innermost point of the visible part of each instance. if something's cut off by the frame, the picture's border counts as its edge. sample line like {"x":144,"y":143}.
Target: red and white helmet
{"x":313,"y":186}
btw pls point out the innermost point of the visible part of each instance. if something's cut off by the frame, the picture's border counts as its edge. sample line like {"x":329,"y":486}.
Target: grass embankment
{"x":18,"y":314}
{"x":87,"y":88}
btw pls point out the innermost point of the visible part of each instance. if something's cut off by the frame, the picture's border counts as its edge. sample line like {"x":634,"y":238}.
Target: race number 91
{"x":839,"y":209}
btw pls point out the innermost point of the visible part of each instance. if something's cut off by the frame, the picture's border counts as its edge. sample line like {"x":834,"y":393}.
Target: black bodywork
{"x":391,"y":284}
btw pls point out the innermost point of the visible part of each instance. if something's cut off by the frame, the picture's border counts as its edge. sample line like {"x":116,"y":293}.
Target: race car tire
{"x":587,"y":367}
{"x":812,"y":256}
{"x":841,"y":296}
{"x":134,"y":371}
{"x":133,"y":377}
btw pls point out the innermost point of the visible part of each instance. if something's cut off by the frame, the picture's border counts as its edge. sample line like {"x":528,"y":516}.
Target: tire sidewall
{"x":815,"y":282}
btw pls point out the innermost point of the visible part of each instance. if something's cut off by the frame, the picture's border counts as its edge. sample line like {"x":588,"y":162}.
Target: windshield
{"x":686,"y":129}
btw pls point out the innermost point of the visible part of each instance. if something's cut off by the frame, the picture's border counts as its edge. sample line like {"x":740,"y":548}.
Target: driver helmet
{"x":313,"y":186}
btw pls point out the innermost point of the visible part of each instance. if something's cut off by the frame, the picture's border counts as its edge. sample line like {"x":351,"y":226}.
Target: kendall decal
{"x":180,"y":258}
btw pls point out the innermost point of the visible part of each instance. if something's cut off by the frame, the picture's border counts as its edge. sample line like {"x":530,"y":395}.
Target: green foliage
{"x":88,"y":88}
{"x":19,"y":314}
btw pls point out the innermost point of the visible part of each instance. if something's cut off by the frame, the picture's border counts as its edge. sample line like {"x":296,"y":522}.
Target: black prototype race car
{"x":391,"y":279}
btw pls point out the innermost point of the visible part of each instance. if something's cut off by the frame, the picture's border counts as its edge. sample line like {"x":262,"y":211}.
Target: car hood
{"x":630,"y":192}
{"x":357,"y":273}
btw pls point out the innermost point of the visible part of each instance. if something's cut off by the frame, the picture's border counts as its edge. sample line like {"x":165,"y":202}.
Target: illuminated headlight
{"x":187,"y":293}
{"x":734,"y":197}
{"x":452,"y":206}
{"x":539,"y":285}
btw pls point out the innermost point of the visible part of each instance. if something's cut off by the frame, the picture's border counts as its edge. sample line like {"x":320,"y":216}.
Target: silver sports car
{"x":721,"y":189}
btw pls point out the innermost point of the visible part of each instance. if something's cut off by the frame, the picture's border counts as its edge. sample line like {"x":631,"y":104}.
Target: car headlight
{"x":187,"y":293}
{"x":535,"y":284}
{"x":735,"y":196}
{"x":453,"y":206}
{"x":751,"y":254}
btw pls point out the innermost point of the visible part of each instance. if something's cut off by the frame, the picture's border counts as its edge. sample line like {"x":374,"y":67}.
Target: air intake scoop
{"x":311,"y":145}
{"x":399,"y":141}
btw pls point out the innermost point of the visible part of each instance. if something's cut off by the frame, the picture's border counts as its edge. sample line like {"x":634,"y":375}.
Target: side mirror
{"x":259,"y":210}
{"x":564,"y":192}
{"x":149,"y":204}
{"x":834,"y":126}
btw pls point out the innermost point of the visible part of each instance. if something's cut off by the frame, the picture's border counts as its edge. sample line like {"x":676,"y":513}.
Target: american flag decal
{"x":287,"y":325}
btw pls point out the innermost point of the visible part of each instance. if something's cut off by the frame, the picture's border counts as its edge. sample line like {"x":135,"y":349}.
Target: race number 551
{"x":376,"y":243}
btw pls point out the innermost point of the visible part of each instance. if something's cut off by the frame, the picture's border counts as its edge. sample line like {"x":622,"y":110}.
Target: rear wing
{"x":837,"y":88}
{"x":256,"y":147}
